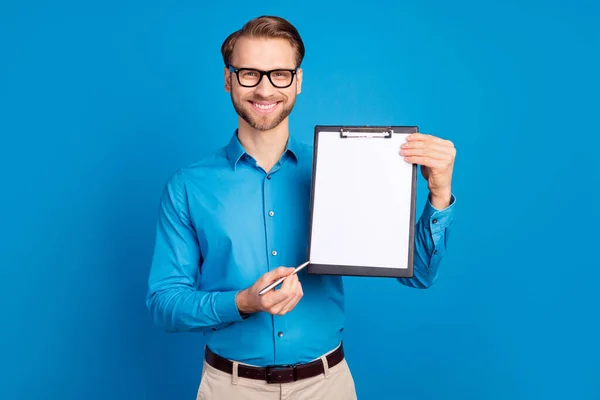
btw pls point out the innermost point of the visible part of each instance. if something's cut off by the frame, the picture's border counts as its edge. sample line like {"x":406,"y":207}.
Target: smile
{"x":264,"y":108}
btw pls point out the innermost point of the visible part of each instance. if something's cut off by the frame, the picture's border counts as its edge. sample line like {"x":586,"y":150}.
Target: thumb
{"x":277,"y":273}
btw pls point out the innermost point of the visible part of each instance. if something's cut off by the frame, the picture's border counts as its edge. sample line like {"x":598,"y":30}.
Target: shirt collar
{"x":235,"y":150}
{"x":293,"y":147}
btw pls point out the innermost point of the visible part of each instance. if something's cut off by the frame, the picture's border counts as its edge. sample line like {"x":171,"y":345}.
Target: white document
{"x":363,"y":202}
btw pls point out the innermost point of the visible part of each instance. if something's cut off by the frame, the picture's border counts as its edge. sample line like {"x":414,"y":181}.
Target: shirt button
{"x":268,"y":176}
{"x":434,"y":221}
{"x":280,"y":334}
{"x":435,"y":252}
{"x":271,"y":213}
{"x":274,"y":252}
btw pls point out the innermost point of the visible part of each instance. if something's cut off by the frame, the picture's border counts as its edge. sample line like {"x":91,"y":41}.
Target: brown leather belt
{"x":276,"y":373}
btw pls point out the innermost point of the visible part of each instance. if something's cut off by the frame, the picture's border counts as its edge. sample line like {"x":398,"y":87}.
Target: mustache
{"x":262,"y":98}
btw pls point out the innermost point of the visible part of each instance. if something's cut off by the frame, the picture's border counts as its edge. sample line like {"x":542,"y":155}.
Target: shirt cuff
{"x":438,"y":220}
{"x":226,"y":307}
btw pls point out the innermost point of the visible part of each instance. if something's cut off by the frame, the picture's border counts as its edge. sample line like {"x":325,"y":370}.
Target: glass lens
{"x":281,"y":77}
{"x":248,"y":77}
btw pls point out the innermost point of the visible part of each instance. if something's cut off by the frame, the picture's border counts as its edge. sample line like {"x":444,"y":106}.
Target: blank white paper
{"x":362,"y":200}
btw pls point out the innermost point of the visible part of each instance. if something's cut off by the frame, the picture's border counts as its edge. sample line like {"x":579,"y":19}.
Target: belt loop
{"x":325,"y":366}
{"x":234,"y":373}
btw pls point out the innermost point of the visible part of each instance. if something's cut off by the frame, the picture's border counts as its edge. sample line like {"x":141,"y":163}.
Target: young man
{"x":237,"y":220}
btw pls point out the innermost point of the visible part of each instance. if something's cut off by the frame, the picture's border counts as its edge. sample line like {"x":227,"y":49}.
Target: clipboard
{"x":363,"y":198}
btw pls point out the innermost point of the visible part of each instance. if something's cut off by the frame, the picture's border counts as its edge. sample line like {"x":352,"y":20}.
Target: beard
{"x":262,"y":122}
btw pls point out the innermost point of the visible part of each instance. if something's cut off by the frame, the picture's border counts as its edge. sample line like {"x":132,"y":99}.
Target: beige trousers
{"x":335,"y":383}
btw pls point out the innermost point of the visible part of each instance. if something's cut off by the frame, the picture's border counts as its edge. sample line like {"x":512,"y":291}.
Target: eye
{"x":282,"y":75}
{"x":249,"y":74}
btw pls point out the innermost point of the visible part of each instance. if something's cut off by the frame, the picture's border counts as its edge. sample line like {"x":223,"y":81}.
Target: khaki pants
{"x":334,"y":384}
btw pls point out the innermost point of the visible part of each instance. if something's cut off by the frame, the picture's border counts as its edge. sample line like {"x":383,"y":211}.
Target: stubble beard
{"x":261,"y":123}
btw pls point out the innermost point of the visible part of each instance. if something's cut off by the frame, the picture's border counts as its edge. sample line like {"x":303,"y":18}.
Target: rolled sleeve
{"x":437,"y":222}
{"x":431,"y":237}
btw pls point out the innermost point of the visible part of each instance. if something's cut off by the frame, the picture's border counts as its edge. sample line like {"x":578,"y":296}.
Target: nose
{"x":264,"y":88}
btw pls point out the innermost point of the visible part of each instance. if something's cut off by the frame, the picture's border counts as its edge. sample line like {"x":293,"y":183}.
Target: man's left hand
{"x":436,"y":157}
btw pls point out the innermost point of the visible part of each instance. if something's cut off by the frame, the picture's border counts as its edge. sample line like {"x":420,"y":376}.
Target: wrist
{"x":242,"y":303}
{"x":440,"y":199}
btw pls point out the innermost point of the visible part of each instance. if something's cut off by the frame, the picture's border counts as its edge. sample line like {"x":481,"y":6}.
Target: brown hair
{"x":265,"y":27}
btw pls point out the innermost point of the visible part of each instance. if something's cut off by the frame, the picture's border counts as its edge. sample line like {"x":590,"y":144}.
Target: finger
{"x":298,"y":294}
{"x":426,"y":161}
{"x":267,"y":279}
{"x":292,"y":300}
{"x":437,"y":154}
{"x":277,"y":273}
{"x":424,"y":137}
{"x":423,"y":143}
{"x":290,"y":305}
{"x":431,"y":150}
{"x":278,"y":296}
{"x":286,"y":295}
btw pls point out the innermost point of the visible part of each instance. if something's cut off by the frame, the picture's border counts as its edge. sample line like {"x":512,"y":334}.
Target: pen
{"x":278,"y":281}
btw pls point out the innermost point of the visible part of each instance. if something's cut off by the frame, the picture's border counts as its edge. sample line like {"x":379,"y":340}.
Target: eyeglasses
{"x":248,"y":77}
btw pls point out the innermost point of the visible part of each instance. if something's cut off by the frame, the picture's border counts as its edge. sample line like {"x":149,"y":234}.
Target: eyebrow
{"x":261,"y":69}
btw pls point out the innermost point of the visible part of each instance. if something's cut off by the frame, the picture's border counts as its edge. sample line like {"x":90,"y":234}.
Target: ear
{"x":227,"y":80}
{"x":299,"y":81}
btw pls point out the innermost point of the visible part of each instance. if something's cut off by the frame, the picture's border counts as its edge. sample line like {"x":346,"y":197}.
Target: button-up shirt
{"x":223,"y":222}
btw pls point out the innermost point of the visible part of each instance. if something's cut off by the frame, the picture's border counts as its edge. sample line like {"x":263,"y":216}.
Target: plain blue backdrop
{"x":100,"y":102}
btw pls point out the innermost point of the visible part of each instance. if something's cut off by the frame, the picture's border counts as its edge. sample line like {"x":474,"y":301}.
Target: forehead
{"x":263,"y":53}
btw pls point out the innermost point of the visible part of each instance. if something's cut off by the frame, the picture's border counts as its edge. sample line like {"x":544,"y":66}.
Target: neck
{"x":265,"y":146}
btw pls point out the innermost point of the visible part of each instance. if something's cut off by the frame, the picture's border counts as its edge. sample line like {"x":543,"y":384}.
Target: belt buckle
{"x":281,"y":373}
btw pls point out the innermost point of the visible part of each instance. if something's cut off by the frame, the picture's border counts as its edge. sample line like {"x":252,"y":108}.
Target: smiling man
{"x":237,"y":220}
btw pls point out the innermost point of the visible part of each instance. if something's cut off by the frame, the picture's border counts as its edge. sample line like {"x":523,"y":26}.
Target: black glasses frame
{"x":262,"y":73}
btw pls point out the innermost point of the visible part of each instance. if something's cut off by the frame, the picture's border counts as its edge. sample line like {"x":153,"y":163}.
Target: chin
{"x":263,"y":122}
{"x":264,"y":126}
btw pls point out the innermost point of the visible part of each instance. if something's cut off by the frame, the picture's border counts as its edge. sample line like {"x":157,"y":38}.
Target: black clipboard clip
{"x":366,"y":132}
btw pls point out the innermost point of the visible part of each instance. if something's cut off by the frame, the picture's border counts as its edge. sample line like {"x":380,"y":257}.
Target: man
{"x":237,"y":220}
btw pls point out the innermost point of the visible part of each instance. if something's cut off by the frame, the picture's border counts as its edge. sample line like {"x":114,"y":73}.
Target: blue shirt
{"x":223,"y":223}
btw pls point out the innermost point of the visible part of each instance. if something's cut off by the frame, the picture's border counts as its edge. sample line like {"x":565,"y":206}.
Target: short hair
{"x":265,"y":27}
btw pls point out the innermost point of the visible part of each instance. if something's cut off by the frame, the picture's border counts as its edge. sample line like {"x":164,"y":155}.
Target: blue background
{"x":100,"y":102}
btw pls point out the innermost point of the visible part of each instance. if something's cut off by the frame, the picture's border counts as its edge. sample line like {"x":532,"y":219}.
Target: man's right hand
{"x":276,"y":301}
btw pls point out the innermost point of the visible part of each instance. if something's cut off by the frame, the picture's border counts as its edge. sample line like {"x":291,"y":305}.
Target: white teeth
{"x":264,"y":106}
